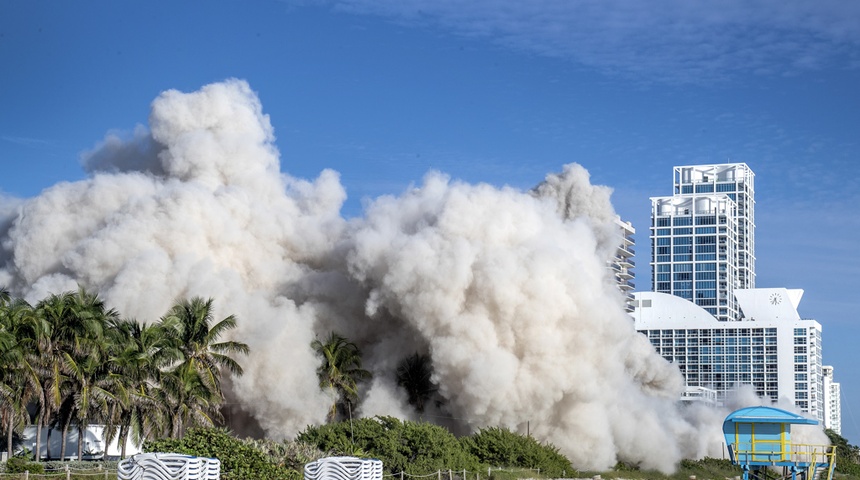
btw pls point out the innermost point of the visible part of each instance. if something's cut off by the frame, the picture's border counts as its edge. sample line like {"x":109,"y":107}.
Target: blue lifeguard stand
{"x":760,"y":437}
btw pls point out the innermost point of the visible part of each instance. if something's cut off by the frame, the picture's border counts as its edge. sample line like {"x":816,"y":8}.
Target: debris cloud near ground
{"x":507,"y":291}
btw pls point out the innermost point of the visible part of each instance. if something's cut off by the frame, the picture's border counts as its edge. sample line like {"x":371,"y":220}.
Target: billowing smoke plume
{"x":506,"y":291}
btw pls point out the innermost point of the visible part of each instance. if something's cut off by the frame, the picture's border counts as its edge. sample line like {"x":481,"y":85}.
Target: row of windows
{"x":688,"y":231}
{"x":680,"y":343}
{"x":687,"y":240}
{"x":712,"y":249}
{"x":709,"y":187}
{"x":707,"y":332}
{"x":687,"y":221}
{"x":732,"y":360}
{"x":772,"y":390}
{"x":706,"y":289}
{"x":725,"y":368}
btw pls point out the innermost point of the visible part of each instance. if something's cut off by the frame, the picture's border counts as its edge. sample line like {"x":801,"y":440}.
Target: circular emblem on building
{"x":775,"y":298}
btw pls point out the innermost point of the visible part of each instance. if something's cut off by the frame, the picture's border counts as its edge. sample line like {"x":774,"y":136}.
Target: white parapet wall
{"x":344,"y":468}
{"x":168,"y":466}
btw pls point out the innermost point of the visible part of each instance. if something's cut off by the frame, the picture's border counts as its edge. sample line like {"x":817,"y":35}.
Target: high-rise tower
{"x":703,"y":237}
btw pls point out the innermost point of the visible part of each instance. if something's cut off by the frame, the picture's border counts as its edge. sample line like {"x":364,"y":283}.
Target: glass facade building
{"x":703,"y":237}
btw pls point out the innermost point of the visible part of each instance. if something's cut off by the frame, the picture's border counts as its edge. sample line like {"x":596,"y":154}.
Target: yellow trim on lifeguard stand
{"x":785,"y":448}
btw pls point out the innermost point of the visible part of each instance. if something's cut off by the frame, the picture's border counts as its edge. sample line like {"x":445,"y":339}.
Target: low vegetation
{"x":415,"y":448}
{"x":240,"y":459}
{"x":69,"y":361}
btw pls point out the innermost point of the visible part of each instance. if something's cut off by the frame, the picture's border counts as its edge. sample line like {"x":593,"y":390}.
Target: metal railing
{"x":778,"y":453}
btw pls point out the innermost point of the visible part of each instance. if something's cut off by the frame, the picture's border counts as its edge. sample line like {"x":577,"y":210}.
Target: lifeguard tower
{"x":760,"y":437}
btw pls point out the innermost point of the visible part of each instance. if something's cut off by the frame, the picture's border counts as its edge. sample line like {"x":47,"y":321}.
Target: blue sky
{"x":493,"y":91}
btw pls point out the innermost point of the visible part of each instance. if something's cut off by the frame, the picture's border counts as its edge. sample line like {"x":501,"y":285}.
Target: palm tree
{"x":69,"y":326}
{"x":136,"y":354}
{"x":194,"y":383}
{"x":340,"y":371}
{"x":415,"y":374}
{"x":85,"y":364}
{"x":18,"y":382}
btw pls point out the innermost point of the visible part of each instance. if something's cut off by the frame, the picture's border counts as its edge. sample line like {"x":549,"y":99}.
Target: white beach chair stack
{"x":168,"y":466}
{"x":344,"y":468}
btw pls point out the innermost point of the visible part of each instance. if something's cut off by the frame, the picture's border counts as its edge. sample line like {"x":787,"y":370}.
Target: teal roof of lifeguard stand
{"x":764,"y":414}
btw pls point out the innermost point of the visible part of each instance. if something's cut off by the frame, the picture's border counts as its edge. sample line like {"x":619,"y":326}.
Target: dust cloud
{"x":507,"y":291}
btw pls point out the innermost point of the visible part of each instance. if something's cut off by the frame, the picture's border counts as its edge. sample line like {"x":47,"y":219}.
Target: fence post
{"x":488,"y":472}
{"x":439,"y":474}
{"x":401,"y":475}
{"x":450,"y":475}
{"x":68,"y":473}
{"x":464,"y":474}
{"x":26,"y":474}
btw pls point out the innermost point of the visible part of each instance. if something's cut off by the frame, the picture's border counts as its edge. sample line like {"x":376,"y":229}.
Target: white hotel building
{"x":832,"y":401}
{"x":705,"y":314}
{"x":772,"y":348}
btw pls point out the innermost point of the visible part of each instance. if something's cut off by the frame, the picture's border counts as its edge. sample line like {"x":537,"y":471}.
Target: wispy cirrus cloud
{"x":26,"y":141}
{"x":674,"y":41}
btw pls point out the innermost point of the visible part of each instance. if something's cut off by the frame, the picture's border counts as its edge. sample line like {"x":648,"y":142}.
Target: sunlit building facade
{"x":622,"y":265}
{"x":771,"y":349}
{"x":703,"y":237}
{"x":832,"y":401}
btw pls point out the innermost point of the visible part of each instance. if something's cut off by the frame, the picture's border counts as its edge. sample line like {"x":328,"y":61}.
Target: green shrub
{"x":502,"y":448}
{"x":21,"y":465}
{"x":847,"y":455}
{"x":415,"y":448}
{"x":240,"y":460}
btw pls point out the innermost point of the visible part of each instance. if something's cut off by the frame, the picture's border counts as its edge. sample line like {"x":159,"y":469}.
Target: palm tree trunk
{"x":38,"y":453}
{"x":63,"y":440}
{"x":81,"y":430}
{"x":123,"y":435}
{"x":48,"y":444}
{"x":9,"y":437}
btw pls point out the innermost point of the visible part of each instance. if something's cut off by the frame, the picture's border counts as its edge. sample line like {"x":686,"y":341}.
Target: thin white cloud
{"x":675,"y":41}
{"x":26,"y":141}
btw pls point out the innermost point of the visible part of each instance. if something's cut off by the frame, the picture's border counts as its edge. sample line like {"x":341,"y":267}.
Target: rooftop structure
{"x":703,"y":237}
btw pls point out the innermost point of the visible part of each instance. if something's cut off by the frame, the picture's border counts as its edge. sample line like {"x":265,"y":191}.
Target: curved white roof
{"x":655,"y":310}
